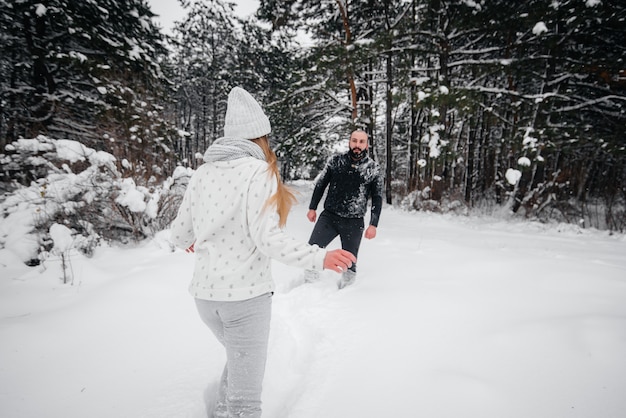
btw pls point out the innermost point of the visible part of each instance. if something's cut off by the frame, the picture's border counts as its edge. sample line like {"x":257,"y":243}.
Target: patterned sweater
{"x":236,"y":236}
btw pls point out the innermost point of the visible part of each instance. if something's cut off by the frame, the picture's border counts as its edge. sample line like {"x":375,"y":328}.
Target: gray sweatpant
{"x":242,"y":327}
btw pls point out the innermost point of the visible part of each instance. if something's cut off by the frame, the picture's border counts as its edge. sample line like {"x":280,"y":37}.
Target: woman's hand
{"x":338,"y":260}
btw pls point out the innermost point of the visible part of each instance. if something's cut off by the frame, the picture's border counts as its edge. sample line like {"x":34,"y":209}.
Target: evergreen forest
{"x":471,"y":106}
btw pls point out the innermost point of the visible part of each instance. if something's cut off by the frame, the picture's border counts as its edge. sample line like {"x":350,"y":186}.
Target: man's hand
{"x":370,"y":232}
{"x":339,"y":260}
{"x":312,"y":215}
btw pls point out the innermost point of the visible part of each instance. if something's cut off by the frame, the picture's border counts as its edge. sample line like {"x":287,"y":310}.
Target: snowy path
{"x":450,"y":317}
{"x":454,"y":319}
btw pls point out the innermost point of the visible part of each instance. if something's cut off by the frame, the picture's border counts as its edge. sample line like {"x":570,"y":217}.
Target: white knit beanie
{"x":244,"y":116}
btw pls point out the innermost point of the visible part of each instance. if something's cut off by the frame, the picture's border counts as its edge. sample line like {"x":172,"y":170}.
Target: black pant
{"x":329,"y":225}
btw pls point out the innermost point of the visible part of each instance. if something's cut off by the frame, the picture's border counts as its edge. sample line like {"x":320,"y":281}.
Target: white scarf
{"x":228,"y":148}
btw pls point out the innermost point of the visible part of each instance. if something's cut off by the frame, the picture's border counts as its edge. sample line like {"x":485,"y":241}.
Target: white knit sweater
{"x":223,"y":212}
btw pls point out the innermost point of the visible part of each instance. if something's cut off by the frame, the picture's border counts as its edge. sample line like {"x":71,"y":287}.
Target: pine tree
{"x":88,"y":71}
{"x":205,"y":60}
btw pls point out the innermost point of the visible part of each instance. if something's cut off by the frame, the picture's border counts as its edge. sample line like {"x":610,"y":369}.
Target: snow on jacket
{"x":223,"y":212}
{"x":350,"y":184}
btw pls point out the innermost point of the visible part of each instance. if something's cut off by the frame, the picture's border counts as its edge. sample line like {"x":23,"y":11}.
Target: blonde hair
{"x":284,"y":198}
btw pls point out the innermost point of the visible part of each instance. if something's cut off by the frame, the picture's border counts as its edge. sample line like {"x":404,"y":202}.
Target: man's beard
{"x":357,"y":155}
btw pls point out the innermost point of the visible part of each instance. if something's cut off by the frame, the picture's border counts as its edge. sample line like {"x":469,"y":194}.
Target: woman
{"x":231,"y":216}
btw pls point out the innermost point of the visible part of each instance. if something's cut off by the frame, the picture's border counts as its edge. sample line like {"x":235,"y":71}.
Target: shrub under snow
{"x":82,"y":189}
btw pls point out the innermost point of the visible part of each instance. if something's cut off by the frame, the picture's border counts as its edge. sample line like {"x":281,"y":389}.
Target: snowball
{"x":62,"y":238}
{"x":540,"y":28}
{"x":513,"y":176}
{"x":523,"y":162}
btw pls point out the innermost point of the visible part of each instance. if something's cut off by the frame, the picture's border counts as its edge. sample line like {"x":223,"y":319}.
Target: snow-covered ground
{"x":450,"y":317}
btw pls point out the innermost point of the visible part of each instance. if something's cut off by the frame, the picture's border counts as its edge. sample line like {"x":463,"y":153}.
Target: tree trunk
{"x":389,"y":126}
{"x":469,"y":175}
{"x":343,"y":10}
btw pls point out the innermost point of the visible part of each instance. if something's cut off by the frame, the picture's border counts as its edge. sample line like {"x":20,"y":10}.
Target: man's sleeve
{"x":377,"y":199}
{"x":320,"y":185}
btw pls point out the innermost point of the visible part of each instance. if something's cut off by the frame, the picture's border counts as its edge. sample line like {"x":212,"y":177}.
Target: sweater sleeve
{"x":181,"y":231}
{"x":268,"y":236}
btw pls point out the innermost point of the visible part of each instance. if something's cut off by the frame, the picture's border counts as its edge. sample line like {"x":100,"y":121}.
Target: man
{"x":352,"y":178}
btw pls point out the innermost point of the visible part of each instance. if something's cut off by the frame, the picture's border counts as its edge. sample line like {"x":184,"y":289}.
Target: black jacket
{"x":350,"y":185}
